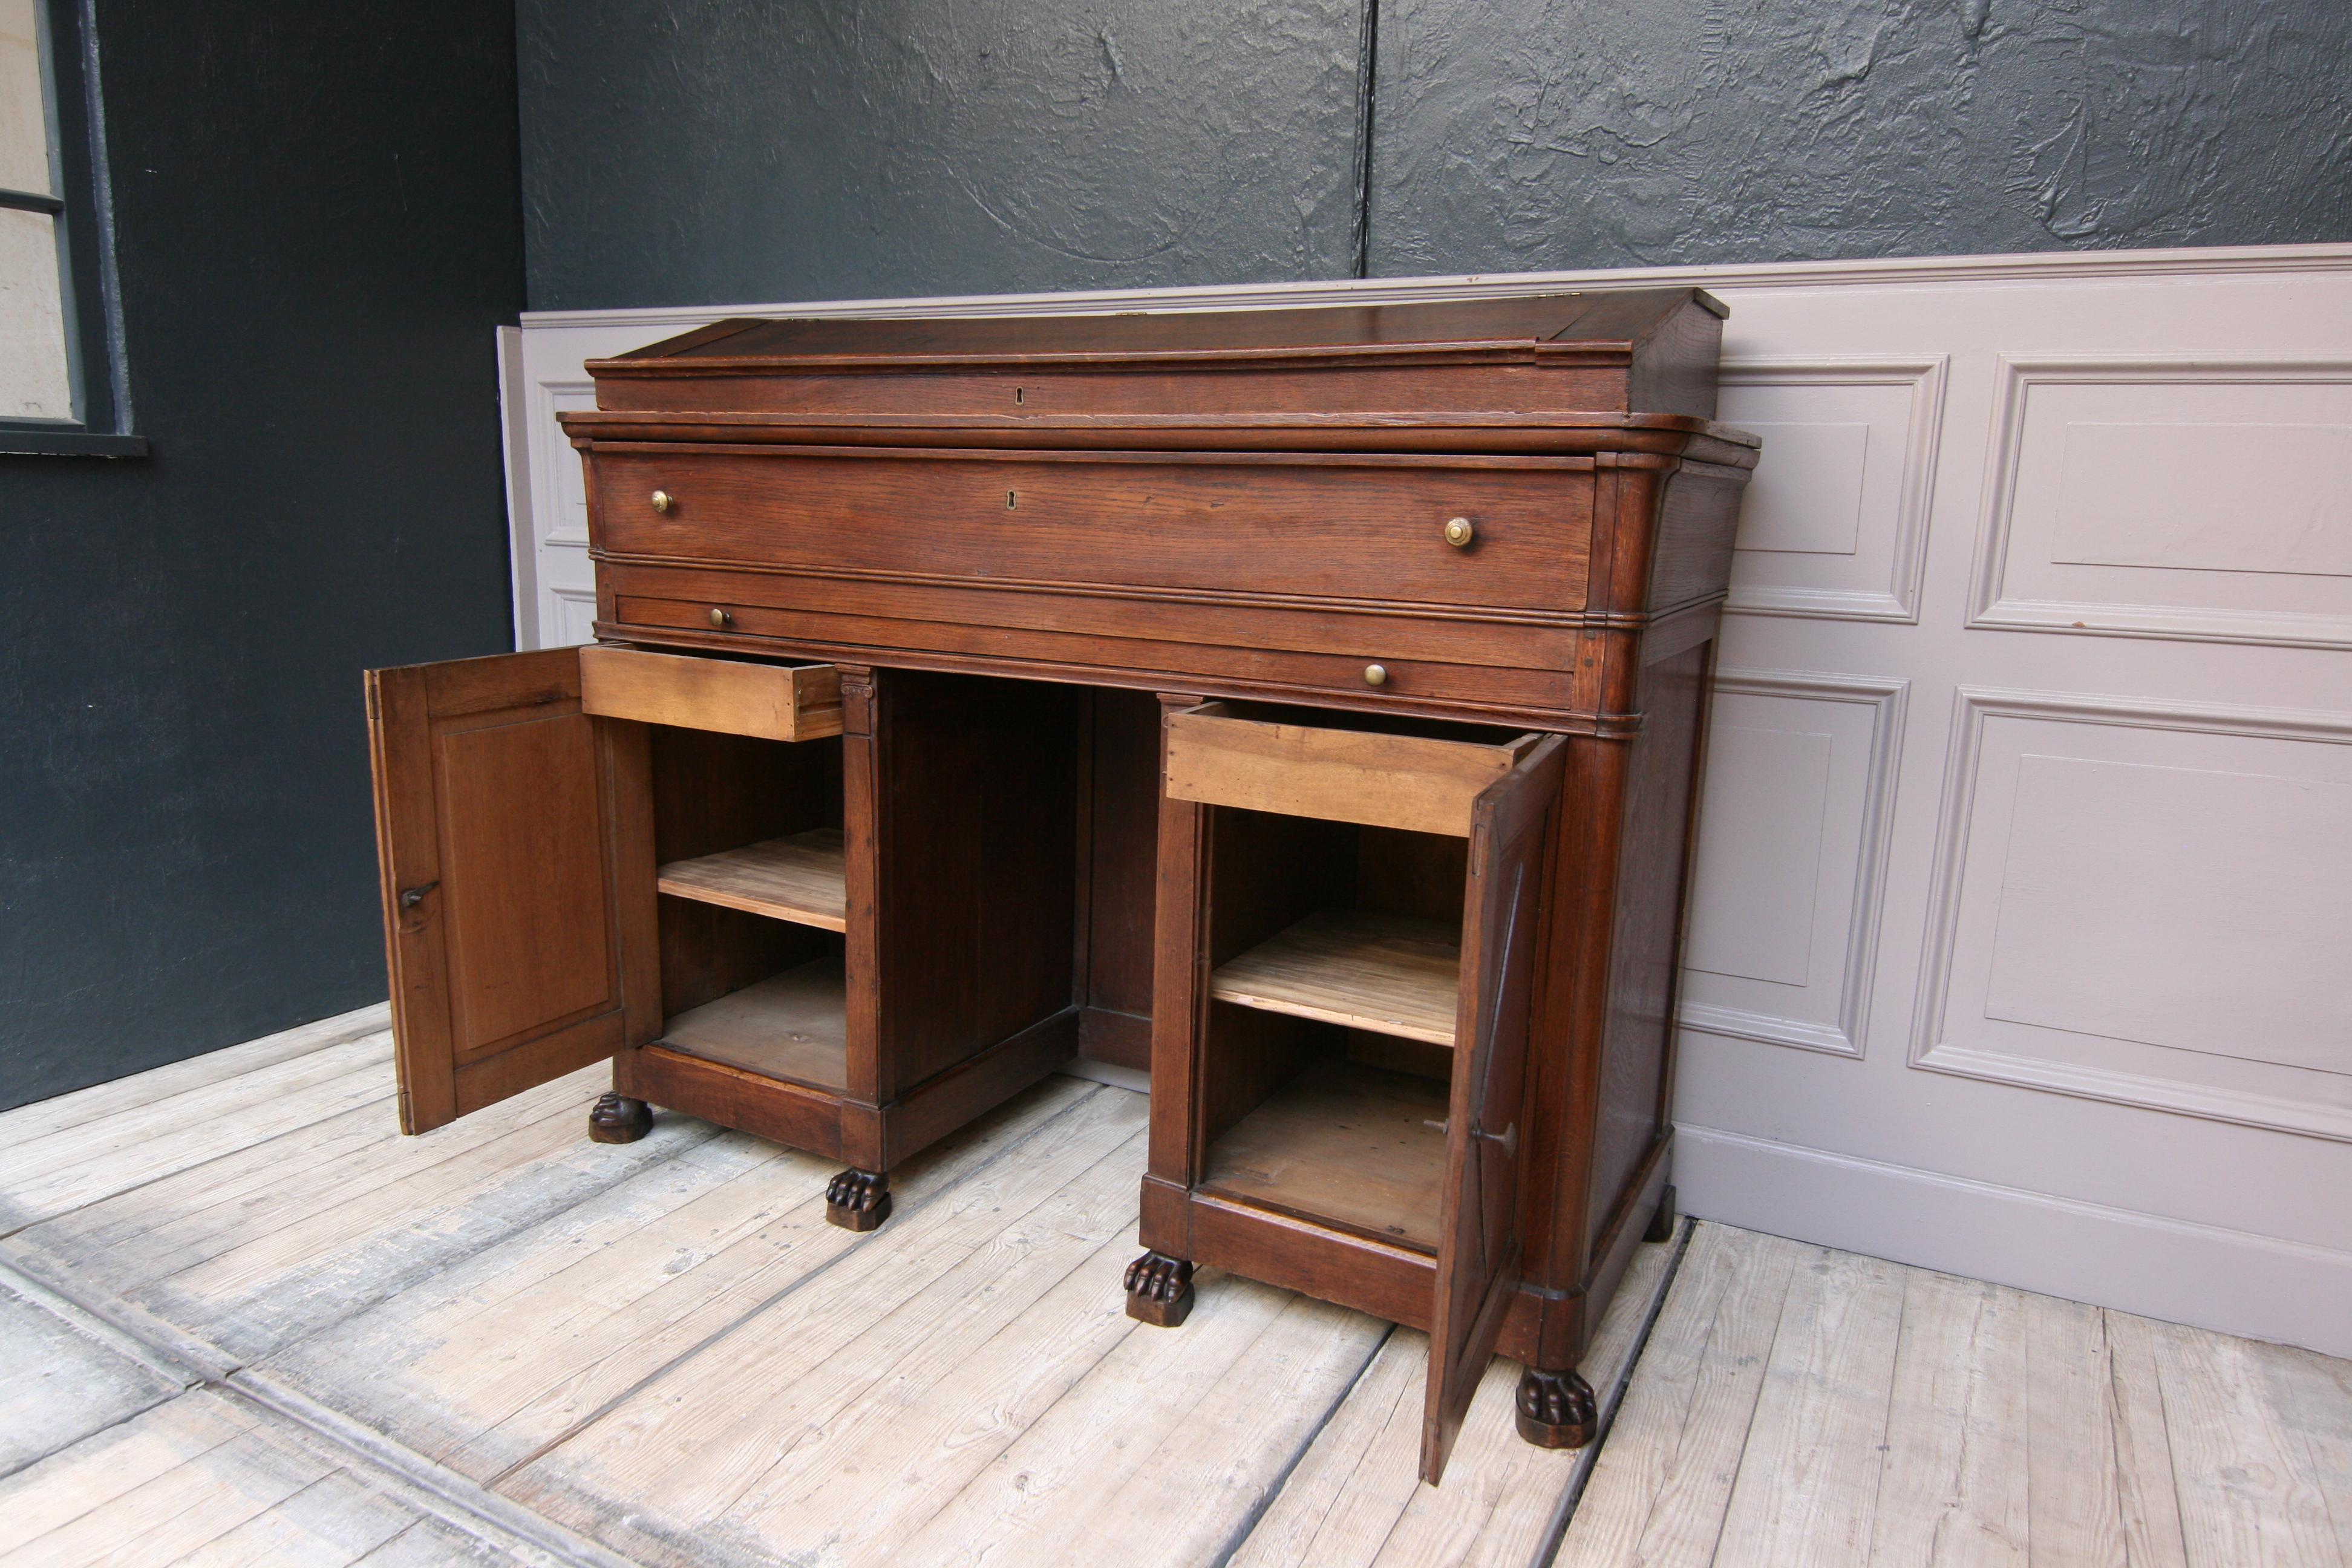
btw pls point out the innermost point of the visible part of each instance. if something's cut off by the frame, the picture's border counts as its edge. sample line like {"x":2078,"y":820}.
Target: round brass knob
{"x":663,"y":501}
{"x":1458,"y":531}
{"x":719,"y":617}
{"x":1376,"y":674}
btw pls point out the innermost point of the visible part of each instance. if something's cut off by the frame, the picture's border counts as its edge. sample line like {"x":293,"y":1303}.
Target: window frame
{"x":90,"y":290}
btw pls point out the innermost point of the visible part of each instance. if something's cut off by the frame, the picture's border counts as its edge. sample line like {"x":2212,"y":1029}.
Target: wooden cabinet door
{"x":515,"y":837}
{"x":1478,"y":1242}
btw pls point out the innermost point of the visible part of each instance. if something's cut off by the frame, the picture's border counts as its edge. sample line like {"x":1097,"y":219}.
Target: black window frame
{"x":89,"y":288}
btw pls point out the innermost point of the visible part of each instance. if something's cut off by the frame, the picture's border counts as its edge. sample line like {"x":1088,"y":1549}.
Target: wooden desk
{"x":1307,"y":704}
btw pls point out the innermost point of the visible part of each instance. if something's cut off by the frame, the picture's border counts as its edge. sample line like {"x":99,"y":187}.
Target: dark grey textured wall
{"x":1511,"y":134}
{"x":320,"y":225}
{"x":734,"y":151}
{"x":692,"y":150}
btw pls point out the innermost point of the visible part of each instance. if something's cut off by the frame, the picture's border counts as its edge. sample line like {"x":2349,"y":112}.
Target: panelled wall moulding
{"x":1841,"y":1032}
{"x":1892,"y":486}
{"x":2202,"y":533}
{"x":2313,"y":1097}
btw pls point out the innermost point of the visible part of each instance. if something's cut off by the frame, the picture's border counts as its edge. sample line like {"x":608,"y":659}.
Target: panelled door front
{"x":1478,"y":1245}
{"x":514,"y":834}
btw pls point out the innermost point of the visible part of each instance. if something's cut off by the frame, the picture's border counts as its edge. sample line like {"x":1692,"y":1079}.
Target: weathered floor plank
{"x":202,"y":1480}
{"x":104,"y":1100}
{"x":1356,"y":1497}
{"x":495,"y":1360}
{"x":58,"y":1384}
{"x":663,"y":1346}
{"x":1662,"y":1481}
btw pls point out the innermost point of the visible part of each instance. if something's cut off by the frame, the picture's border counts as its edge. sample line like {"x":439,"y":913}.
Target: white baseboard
{"x":2201,"y":1274}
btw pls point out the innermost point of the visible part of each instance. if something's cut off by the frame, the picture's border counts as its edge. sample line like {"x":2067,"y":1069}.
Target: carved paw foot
{"x":1557,"y":1409}
{"x":858,"y":1200}
{"x":1159,"y":1289}
{"x":617,"y":1119}
{"x":1662,"y":1223}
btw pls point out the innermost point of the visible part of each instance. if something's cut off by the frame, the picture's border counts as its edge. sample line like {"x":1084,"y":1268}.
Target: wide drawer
{"x":1420,"y":778}
{"x":735,"y":697}
{"x":1365,"y":530}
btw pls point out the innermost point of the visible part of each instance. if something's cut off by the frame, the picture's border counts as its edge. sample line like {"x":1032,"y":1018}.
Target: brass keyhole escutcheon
{"x":663,"y":501}
{"x":1376,"y":674}
{"x":1011,"y":500}
{"x":719,"y":617}
{"x":1458,"y":531}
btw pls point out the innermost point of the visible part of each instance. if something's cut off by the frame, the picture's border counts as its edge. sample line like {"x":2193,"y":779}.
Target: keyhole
{"x":1011,"y":500}
{"x":1020,"y":394}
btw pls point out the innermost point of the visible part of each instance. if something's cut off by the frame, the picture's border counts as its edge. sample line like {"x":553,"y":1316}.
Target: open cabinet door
{"x":1478,"y":1245}
{"x":513,"y":832}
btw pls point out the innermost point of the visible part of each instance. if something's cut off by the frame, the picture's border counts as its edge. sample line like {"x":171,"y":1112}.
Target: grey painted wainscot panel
{"x":688,"y":150}
{"x":1525,"y":134}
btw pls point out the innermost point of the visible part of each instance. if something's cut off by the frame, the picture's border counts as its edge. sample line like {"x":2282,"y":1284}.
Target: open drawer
{"x":703,"y":691}
{"x":1366,"y":904}
{"x":1383,"y":773}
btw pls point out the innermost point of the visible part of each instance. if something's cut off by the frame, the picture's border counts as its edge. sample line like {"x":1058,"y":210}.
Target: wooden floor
{"x":241,"y":1320}
{"x":1797,"y":1405}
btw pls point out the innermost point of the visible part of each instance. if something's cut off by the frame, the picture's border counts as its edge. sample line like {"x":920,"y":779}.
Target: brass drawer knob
{"x":663,"y":501}
{"x":1376,"y":674}
{"x":1458,"y":531}
{"x":719,"y":617}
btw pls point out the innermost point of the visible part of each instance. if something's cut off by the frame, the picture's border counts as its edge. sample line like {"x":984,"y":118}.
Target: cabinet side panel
{"x":1698,"y":518}
{"x":1124,"y":829}
{"x":1675,"y":367}
{"x":1653,"y":874}
{"x":978,"y":867}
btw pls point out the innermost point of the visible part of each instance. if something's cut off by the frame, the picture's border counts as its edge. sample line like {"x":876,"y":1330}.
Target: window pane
{"x":33,"y":380}
{"x":24,"y":109}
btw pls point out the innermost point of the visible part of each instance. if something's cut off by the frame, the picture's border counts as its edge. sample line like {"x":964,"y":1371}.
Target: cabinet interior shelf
{"x":799,"y":879}
{"x":1392,"y":974}
{"x":793,"y":1026}
{"x":1347,"y":1144}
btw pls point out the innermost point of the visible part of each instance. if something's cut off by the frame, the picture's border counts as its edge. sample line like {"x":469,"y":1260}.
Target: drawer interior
{"x":1374,"y":769}
{"x":712,"y":691}
{"x":1334,"y":950}
{"x":748,"y":841}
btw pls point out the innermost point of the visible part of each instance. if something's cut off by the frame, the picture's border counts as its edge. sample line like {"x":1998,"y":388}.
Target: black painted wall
{"x":737,"y":151}
{"x":320,"y":225}
{"x":681,"y":152}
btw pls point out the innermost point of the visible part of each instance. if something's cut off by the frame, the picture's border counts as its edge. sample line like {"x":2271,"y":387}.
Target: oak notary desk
{"x":1304,"y":704}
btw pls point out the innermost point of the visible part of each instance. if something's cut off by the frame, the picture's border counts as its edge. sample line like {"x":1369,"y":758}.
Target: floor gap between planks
{"x":272,"y":1330}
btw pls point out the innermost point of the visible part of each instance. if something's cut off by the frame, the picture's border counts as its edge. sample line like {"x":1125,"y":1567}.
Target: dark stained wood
{"x":1557,"y":1409}
{"x":1588,"y":351}
{"x":1556,"y":433}
{"x":1159,"y":1291}
{"x":1368,"y":529}
{"x":976,"y":861}
{"x":1480,"y":1242}
{"x":1122,"y":828}
{"x":768,"y":1108}
{"x":1005,"y":536}
{"x":616,"y":1119}
{"x":858,"y":1200}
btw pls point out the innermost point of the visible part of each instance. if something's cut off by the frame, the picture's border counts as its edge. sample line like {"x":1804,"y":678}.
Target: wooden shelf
{"x":1343,"y":1143}
{"x":1388,"y":973}
{"x":800,"y":878}
{"x":793,"y":1026}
